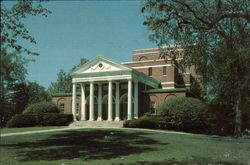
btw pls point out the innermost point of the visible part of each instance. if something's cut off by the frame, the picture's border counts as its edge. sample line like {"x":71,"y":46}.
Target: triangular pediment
{"x":99,"y":65}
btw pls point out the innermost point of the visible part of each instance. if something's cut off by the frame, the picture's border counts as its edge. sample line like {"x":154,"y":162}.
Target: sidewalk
{"x":74,"y":128}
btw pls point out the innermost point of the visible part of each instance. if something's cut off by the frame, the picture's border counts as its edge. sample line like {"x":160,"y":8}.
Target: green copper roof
{"x":166,"y":90}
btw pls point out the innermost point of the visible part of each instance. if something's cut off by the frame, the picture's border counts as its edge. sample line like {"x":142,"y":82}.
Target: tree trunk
{"x":238,"y":117}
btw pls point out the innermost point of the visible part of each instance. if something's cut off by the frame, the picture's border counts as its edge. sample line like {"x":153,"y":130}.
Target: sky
{"x":83,"y":29}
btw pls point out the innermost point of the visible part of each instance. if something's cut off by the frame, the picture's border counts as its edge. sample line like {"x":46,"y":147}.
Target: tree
{"x":13,"y":32}
{"x":215,"y":37}
{"x":63,"y":83}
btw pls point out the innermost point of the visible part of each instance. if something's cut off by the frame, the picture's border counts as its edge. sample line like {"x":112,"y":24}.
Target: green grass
{"x":13,"y":130}
{"x":123,"y":147}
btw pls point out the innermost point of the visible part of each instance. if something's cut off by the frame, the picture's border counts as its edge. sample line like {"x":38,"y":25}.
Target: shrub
{"x":56,"y":119}
{"x":186,"y":114}
{"x":146,"y":121}
{"x":22,"y":121}
{"x":41,"y":108}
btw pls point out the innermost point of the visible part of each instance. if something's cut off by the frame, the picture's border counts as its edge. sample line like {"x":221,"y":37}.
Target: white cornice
{"x":171,"y":82}
{"x":150,"y":66}
{"x":104,"y":78}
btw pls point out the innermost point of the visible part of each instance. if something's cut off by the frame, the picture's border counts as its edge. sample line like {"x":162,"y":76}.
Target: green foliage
{"x":143,"y":122}
{"x":41,"y":108}
{"x":27,"y":120}
{"x":46,"y":119}
{"x":12,"y":64}
{"x":63,"y":83}
{"x":37,"y":93}
{"x":55,"y":119}
{"x":215,"y":37}
{"x":188,"y":114}
{"x":13,"y":28}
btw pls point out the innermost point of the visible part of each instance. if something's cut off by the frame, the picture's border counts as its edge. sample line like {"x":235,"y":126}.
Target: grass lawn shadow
{"x":86,"y":145}
{"x":192,"y":161}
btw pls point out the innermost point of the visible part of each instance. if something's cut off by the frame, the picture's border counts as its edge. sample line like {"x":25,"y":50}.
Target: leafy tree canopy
{"x":215,"y":37}
{"x":64,"y":80}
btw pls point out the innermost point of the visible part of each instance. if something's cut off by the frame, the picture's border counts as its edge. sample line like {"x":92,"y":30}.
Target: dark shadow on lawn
{"x":86,"y":145}
{"x":193,"y":161}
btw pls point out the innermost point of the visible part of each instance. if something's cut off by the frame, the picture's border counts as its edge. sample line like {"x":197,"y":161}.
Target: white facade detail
{"x":102,"y":75}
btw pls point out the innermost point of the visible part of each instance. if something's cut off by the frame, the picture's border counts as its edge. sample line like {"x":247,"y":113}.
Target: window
{"x":61,"y":107}
{"x":165,"y":69}
{"x":77,"y":108}
{"x":152,"y":107}
{"x":150,"y":71}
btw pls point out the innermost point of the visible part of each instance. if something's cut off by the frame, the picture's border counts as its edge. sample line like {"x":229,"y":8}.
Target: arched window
{"x":170,"y":96}
{"x":143,"y":58}
{"x":61,"y":104}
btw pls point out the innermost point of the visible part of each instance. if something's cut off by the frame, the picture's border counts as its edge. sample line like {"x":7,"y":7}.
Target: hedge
{"x":55,"y":119}
{"x":20,"y":120}
{"x":47,"y":119}
{"x":187,"y":114}
{"x":41,"y":108}
{"x":180,"y":114}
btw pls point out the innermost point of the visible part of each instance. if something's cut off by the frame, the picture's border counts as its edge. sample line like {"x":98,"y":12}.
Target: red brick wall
{"x":67,"y":100}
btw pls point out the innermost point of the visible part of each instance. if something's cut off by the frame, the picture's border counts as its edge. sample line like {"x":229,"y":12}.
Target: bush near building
{"x":180,"y":114}
{"x":56,"y":119}
{"x":41,"y":108}
{"x":20,"y":120}
{"x":40,"y":114}
{"x":187,"y":114}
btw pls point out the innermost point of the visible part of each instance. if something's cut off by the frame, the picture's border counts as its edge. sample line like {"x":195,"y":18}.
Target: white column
{"x":83,"y":102}
{"x":74,"y":101}
{"x":91,"y":102}
{"x":136,"y":100}
{"x":129,"y":100}
{"x":117,"y":102}
{"x":110,"y":101}
{"x":99,"y":101}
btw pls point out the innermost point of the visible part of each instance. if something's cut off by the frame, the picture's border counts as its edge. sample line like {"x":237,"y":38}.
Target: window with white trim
{"x":152,"y":107}
{"x":165,"y":71}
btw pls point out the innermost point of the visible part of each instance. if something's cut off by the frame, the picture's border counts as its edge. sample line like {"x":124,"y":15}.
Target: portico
{"x":102,"y":79}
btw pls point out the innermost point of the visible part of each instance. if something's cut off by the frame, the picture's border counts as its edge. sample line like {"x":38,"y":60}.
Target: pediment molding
{"x":100,"y":65}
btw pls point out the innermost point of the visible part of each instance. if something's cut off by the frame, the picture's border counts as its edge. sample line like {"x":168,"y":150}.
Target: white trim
{"x":168,"y":82}
{"x":150,"y":66}
{"x":146,"y":61}
{"x":105,"y":78}
{"x":143,"y":61}
{"x":186,"y":73}
{"x":168,"y":88}
{"x":167,"y":46}
{"x":141,"y":53}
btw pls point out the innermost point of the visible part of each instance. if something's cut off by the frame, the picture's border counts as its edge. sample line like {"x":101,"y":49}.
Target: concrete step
{"x":97,"y":124}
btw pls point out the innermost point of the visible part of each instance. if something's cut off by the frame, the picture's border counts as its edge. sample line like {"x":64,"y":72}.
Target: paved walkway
{"x":74,"y":128}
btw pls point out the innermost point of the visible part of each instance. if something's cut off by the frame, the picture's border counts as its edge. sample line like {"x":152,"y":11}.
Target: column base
{"x":110,"y":119}
{"x":91,"y":119}
{"x":99,"y":119}
{"x":117,"y":119}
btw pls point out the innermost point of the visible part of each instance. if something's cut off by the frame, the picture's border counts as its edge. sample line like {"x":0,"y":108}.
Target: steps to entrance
{"x":97,"y":124}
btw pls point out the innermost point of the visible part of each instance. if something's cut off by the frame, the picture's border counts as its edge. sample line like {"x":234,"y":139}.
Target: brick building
{"x":107,"y":90}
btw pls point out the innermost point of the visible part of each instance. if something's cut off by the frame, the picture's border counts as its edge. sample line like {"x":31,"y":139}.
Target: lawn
{"x":12,"y":130}
{"x":123,"y":147}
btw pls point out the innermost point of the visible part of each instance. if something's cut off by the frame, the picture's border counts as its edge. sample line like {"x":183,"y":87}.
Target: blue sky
{"x":84,"y":29}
